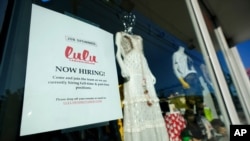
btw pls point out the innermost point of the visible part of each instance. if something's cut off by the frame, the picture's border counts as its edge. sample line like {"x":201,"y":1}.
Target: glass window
{"x":227,"y":57}
{"x":171,"y":74}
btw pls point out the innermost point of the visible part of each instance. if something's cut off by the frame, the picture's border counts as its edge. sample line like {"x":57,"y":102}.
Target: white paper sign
{"x":71,"y":76}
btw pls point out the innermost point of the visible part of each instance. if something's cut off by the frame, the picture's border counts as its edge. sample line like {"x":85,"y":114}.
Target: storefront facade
{"x":217,"y":96}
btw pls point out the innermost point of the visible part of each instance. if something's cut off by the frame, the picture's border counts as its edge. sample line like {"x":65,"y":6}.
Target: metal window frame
{"x":224,"y":99}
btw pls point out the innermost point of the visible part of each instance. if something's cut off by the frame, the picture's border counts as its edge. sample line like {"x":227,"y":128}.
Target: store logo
{"x":83,"y":57}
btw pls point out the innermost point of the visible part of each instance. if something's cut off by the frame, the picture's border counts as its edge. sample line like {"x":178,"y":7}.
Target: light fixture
{"x":45,"y":0}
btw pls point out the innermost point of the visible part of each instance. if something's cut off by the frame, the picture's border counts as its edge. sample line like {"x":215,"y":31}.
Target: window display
{"x":194,"y":128}
{"x":186,"y":73}
{"x":220,"y":130}
{"x":175,"y":123}
{"x":165,"y":88}
{"x":142,"y":114}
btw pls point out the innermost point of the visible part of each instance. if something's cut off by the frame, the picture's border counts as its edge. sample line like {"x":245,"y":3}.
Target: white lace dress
{"x":142,"y":121}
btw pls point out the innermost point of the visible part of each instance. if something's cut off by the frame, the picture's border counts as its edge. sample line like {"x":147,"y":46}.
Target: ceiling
{"x":172,"y":15}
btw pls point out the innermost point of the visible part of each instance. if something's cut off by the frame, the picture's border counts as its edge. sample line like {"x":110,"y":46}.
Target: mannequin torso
{"x":182,"y":63}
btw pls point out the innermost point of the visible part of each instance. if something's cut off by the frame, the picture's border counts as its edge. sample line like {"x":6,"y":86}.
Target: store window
{"x":228,"y":56}
{"x":243,"y":51}
{"x":164,"y":76}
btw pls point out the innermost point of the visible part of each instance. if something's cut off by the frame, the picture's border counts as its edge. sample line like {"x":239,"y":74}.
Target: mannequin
{"x":207,"y":78}
{"x":143,"y":119}
{"x":186,"y":73}
{"x":208,"y":94}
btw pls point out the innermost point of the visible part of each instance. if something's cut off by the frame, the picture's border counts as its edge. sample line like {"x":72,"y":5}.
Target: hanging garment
{"x":175,"y":123}
{"x":143,"y":120}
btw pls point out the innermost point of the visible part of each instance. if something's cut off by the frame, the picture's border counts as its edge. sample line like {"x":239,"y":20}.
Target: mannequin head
{"x":181,"y":48}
